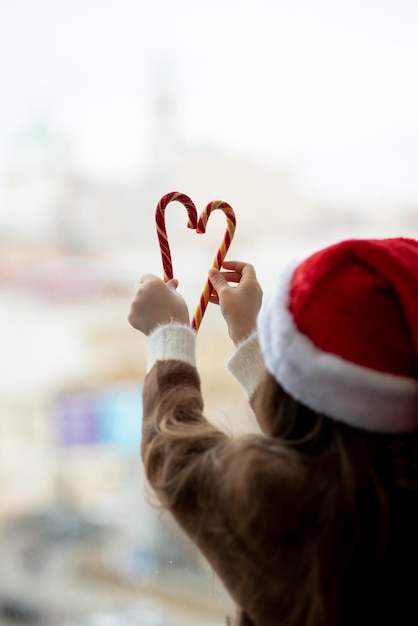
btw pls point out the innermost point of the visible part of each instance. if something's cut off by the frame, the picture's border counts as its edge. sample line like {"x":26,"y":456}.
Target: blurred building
{"x":46,"y":198}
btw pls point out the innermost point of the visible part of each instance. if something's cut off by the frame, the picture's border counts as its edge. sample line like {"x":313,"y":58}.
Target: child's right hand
{"x":156,"y":302}
{"x":239,"y":304}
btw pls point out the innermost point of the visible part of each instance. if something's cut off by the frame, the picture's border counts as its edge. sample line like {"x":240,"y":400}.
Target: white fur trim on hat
{"x":327,"y":383}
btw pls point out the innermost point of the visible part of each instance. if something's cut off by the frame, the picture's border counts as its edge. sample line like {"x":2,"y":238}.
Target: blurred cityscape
{"x":80,"y":543}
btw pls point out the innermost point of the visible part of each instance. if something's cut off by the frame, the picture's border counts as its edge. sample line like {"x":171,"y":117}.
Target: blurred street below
{"x":66,"y":581}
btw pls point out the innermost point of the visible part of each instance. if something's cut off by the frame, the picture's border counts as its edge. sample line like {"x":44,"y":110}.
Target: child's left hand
{"x":156,"y":302}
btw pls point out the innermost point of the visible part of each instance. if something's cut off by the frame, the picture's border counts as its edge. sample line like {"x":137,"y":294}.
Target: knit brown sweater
{"x":212,"y":482}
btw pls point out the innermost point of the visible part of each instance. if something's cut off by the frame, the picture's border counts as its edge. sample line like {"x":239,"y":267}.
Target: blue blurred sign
{"x":120,"y":420}
{"x":110,"y":417}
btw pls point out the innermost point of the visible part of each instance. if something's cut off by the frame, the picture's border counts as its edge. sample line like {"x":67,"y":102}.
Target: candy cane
{"x":220,"y":255}
{"x":162,"y":231}
{"x":199,"y":225}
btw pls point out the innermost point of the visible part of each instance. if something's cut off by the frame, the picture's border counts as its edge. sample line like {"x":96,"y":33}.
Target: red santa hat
{"x":340,"y":333}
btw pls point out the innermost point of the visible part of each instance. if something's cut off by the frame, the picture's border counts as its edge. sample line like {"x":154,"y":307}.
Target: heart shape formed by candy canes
{"x":199,"y":225}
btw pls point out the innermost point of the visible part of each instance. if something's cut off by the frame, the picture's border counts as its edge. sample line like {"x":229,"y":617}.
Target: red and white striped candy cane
{"x":162,"y":230}
{"x":220,"y":255}
{"x":199,"y":225}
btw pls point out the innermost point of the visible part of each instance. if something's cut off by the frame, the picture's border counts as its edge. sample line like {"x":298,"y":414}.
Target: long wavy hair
{"x":356,"y":565}
{"x":364,"y":564}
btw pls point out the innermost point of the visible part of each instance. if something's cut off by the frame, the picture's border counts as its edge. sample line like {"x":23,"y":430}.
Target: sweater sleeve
{"x":247,"y":364}
{"x":226,"y":493}
{"x":171,"y":341}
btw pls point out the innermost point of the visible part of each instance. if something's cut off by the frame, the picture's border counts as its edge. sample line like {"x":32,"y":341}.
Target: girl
{"x":314,"y":522}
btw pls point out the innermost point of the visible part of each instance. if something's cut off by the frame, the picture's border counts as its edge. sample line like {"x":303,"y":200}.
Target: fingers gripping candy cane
{"x":162,"y":231}
{"x":220,"y":255}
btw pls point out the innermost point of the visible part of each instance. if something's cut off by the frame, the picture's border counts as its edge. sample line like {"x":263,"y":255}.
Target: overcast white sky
{"x":327,"y":87}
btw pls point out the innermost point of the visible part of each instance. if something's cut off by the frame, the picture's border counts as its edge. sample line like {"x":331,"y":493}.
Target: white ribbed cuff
{"x":171,"y":341}
{"x":247,"y":364}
